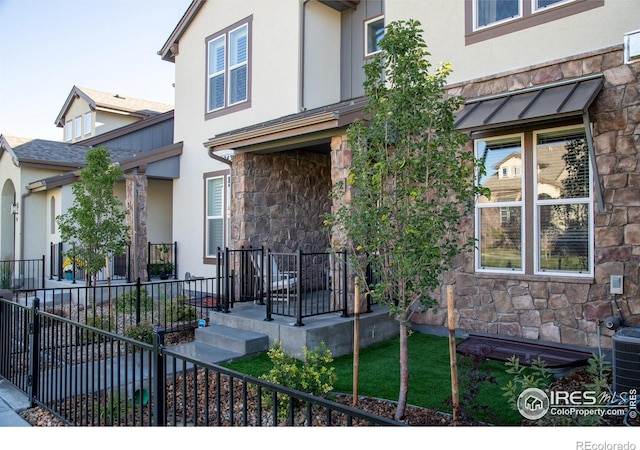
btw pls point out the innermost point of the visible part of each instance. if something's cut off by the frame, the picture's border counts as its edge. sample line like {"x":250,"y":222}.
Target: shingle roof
{"x":113,"y":101}
{"x":124,"y":102}
{"x":43,"y":151}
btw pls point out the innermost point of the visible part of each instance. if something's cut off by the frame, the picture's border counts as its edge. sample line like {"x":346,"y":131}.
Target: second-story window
{"x":68,"y":130}
{"x":77,"y":127}
{"x":228,"y":64}
{"x":490,"y":12}
{"x":373,"y":34}
{"x":487,"y":19}
{"x":87,"y":123}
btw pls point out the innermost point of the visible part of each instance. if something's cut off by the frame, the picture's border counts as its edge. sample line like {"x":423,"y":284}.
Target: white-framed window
{"x":228,"y":64}
{"x":552,"y":231}
{"x":217,"y":196}
{"x":491,"y":12}
{"x":87,"y":123}
{"x":77,"y":127}
{"x":373,"y":33}
{"x":541,"y":5}
{"x":68,"y":130}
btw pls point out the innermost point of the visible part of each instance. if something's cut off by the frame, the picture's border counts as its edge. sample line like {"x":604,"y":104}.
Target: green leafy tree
{"x":410,"y":186}
{"x":94,"y":226}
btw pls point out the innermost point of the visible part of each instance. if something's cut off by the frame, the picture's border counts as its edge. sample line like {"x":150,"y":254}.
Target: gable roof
{"x":45,"y":154}
{"x":42,"y":153}
{"x":107,"y":101}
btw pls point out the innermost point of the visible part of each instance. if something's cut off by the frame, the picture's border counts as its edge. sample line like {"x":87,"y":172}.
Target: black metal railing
{"x":119,"y":266}
{"x":90,"y":377}
{"x":174,"y":305}
{"x":289,"y":284}
{"x":162,"y":260}
{"x":22,"y":274}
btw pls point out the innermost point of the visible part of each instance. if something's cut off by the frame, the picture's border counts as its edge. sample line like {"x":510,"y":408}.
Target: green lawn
{"x":429,"y":376}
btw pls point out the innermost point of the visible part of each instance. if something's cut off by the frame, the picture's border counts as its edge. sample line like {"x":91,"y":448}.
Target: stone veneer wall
{"x":561,"y":309}
{"x":279,"y":201}
{"x":136,"y":202}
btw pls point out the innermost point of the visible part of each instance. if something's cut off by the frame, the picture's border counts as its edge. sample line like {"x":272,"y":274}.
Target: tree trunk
{"x":404,"y":372}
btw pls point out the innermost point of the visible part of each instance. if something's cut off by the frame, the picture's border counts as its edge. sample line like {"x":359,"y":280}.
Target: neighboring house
{"x":36,"y":178}
{"x":88,"y":112}
{"x":266,"y":89}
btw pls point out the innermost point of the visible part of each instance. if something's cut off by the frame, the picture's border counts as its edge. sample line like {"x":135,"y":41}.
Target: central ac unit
{"x":626,"y":360}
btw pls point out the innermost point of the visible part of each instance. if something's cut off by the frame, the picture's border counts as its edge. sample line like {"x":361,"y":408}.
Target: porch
{"x":244,"y":330}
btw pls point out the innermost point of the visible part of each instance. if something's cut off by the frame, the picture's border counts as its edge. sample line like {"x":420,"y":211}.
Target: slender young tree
{"x":410,"y":185}
{"x":94,"y":226}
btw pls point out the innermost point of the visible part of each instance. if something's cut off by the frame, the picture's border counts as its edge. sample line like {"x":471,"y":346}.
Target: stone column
{"x":136,"y":201}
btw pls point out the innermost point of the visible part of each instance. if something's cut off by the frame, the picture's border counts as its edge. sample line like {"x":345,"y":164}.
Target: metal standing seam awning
{"x":569,"y":98}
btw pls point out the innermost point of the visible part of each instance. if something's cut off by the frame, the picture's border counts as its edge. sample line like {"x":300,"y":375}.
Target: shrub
{"x":538,"y":376}
{"x":6,"y":275}
{"x":311,"y":375}
{"x":142,"y":332}
{"x":100,"y":322}
{"x":126,"y":302}
{"x":178,"y":311}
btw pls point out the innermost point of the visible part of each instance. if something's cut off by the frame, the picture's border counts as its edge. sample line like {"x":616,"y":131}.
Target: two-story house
{"x":266,"y":89}
{"x":88,"y":112}
{"x":37,"y":174}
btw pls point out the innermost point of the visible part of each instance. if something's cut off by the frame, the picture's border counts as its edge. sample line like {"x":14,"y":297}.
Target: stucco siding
{"x":443,"y":22}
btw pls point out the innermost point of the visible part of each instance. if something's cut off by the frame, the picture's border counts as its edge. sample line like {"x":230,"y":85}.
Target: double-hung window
{"x":68,"y":130}
{"x":228,"y":69}
{"x":217,"y":216}
{"x":87,"y":123}
{"x":537,"y":218}
{"x":487,"y":19}
{"x":77,"y":127}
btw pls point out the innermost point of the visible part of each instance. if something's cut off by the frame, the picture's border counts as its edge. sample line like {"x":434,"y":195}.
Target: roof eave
{"x":169,"y":50}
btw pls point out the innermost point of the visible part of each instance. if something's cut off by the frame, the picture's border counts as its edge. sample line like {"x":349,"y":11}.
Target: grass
{"x":429,"y":376}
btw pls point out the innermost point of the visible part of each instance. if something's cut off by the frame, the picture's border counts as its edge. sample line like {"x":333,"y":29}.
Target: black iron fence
{"x":63,"y":267}
{"x":22,"y":274}
{"x":290,"y":284}
{"x":173,"y":305}
{"x":90,"y":377}
{"x":162,"y":260}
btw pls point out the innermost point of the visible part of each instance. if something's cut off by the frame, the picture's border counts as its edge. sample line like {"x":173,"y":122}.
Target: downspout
{"x":301,"y":43}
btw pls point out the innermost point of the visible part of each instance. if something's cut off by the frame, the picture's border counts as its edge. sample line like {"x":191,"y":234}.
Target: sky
{"x":48,"y":46}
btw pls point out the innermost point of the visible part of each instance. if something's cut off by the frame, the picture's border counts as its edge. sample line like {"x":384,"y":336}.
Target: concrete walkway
{"x":12,"y":402}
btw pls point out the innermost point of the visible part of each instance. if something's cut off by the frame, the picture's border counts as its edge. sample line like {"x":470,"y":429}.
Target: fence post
{"x":34,"y":350}
{"x":267,"y":282}
{"x":298,"y":290}
{"x":175,"y":260}
{"x":5,"y":337}
{"x":59,"y":263}
{"x":138,"y":288}
{"x":159,"y":385}
{"x":43,"y":273}
{"x":227,"y":286}
{"x":345,"y":278}
{"x":148,"y":261}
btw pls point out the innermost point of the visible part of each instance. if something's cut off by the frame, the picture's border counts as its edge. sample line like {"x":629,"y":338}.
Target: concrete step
{"x":233,"y":339}
{"x":205,"y":353}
